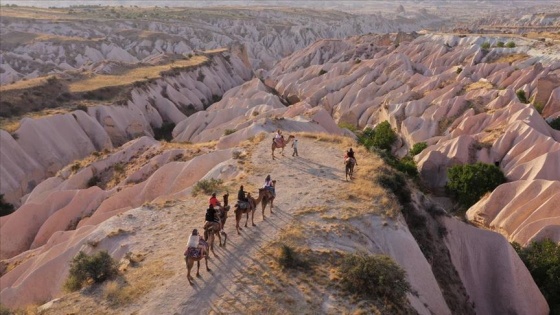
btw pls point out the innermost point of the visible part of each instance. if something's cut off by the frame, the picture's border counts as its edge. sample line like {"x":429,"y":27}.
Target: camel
{"x":250,"y":209}
{"x":349,"y":165}
{"x":214,"y":229}
{"x":267,"y":196}
{"x":189,"y":260}
{"x":280,"y":146}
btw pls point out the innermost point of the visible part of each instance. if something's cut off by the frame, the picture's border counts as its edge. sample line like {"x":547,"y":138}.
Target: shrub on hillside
{"x":510,"y":44}
{"x":417,"y":148}
{"x":5,"y":208}
{"x":207,"y":186}
{"x":93,"y":181}
{"x":500,"y":44}
{"x":376,"y":276}
{"x":229,"y":131}
{"x":164,"y":132}
{"x":348,"y":126}
{"x":542,"y":259}
{"x":96,"y":268}
{"x":468,"y":183}
{"x":396,"y":183}
{"x":555,"y":123}
{"x":382,"y":137}
{"x":459,"y":70}
{"x":521,"y":96}
{"x":485,"y":45}
{"x":289,"y":258}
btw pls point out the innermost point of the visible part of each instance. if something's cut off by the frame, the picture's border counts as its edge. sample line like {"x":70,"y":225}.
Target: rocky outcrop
{"x":495,"y":277}
{"x":505,"y":210}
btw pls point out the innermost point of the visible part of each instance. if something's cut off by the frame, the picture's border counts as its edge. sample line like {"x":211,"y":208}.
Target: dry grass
{"x":135,"y":75}
{"x":479,"y":85}
{"x":510,"y":59}
{"x":25,"y":84}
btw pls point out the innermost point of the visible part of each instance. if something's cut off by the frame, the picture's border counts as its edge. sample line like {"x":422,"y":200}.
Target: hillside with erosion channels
{"x":118,"y":124}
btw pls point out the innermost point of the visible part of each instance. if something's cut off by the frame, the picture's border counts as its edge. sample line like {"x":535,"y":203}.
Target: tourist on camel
{"x":212,"y":217}
{"x":350,"y":155}
{"x":242,"y":200}
{"x":195,"y":246}
{"x":269,"y":185}
{"x":279,"y":138}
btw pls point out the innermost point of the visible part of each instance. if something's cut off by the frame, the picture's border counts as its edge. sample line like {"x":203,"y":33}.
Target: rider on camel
{"x":350,"y":155}
{"x":195,"y":246}
{"x":212,"y":217}
{"x":269,"y":185}
{"x":279,"y":138}
{"x":242,"y":200}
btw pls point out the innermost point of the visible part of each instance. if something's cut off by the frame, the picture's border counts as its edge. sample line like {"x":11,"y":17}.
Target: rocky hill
{"x":38,"y":42}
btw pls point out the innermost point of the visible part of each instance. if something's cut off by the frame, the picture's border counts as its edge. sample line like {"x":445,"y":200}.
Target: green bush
{"x":485,"y":45}
{"x":207,"y":186}
{"x":500,"y":44}
{"x":5,"y":311}
{"x":348,"y":126}
{"x":93,"y":181}
{"x":459,"y":70}
{"x":84,"y":268}
{"x":417,"y":148}
{"x":521,"y":96}
{"x":5,"y":208}
{"x":468,"y":183}
{"x":510,"y":44}
{"x":382,"y":137}
{"x":542,"y":259}
{"x":376,"y":276}
{"x":164,"y":132}
{"x":407,"y":166}
{"x":555,"y":123}
{"x":229,"y":131}
{"x":396,"y":183}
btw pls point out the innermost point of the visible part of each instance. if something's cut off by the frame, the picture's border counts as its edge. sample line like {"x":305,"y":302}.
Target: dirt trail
{"x":301,"y":182}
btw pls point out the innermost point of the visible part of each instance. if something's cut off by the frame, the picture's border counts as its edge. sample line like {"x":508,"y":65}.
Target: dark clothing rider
{"x":241,"y":194}
{"x":350,"y":154}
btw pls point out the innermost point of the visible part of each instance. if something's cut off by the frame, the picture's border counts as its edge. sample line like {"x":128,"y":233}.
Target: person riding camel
{"x":350,"y":155}
{"x":269,"y":185}
{"x":214,"y":202}
{"x":212,"y":217}
{"x":279,"y":138}
{"x":242,"y":200}
{"x":195,"y":246}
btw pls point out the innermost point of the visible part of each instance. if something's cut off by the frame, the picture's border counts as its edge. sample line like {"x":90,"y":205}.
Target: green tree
{"x":542,"y":259}
{"x":384,"y":136}
{"x":417,"y":148}
{"x":468,"y":183}
{"x":97,"y":268}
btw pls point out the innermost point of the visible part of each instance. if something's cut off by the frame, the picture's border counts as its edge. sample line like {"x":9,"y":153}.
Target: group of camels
{"x":265,"y":197}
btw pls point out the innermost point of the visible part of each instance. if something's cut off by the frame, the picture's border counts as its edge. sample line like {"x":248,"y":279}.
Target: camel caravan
{"x":199,"y":248}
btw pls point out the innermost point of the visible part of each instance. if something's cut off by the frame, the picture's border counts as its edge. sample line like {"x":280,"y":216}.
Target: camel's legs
{"x":198,"y":268}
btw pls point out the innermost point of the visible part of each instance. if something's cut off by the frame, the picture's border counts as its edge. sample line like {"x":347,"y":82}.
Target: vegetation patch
{"x":417,"y":148}
{"x":289,"y":258}
{"x":542,"y":259}
{"x":86,"y":269}
{"x":468,"y":183}
{"x":164,"y":132}
{"x":207,"y":186}
{"x":521,"y":96}
{"x":5,"y":207}
{"x":374,"y":276}
{"x":555,"y":123}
